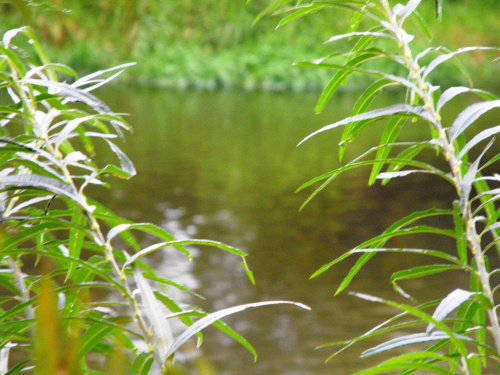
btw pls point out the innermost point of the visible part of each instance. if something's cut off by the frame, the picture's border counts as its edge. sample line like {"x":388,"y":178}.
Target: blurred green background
{"x":211,"y":43}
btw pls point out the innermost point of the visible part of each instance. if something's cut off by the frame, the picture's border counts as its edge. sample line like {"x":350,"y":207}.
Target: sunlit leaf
{"x":470,"y":177}
{"x":469,"y":115}
{"x":156,"y":315}
{"x":43,"y":183}
{"x":485,"y":134}
{"x":448,"y":304}
{"x":396,"y":109}
{"x":442,"y":58}
{"x":162,"y":245}
{"x":125,"y":163}
{"x":452,"y":92}
{"x":209,"y":319}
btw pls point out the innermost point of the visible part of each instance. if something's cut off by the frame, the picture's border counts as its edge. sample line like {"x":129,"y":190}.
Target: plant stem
{"x":95,"y":230}
{"x":449,"y":153}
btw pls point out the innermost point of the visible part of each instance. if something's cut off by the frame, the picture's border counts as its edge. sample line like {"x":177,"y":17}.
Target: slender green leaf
{"x":403,"y":365}
{"x":469,"y":115}
{"x":469,"y":178}
{"x":142,"y":364}
{"x":125,"y":163}
{"x":209,"y":319}
{"x":75,"y":238}
{"x":407,"y":10}
{"x":147,"y":228}
{"x":460,"y":232}
{"x":43,"y":183}
{"x":92,"y":336}
{"x":448,"y":304}
{"x":362,"y":33}
{"x":361,"y":106}
{"x":156,"y":314}
{"x":452,"y":92}
{"x":391,"y":131}
{"x":442,"y":58}
{"x":458,"y":340}
{"x":485,"y":134}
{"x":418,"y":272}
{"x":396,"y":109}
{"x":408,"y":154}
{"x":301,"y":12}
{"x":339,"y":78}
{"x":158,"y":246}
{"x":18,"y":367}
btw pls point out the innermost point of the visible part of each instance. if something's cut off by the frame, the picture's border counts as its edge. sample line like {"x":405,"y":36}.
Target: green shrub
{"x":459,"y":333}
{"x":59,"y":247}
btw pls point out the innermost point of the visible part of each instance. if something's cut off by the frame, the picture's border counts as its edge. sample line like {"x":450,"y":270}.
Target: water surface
{"x":224,"y":166}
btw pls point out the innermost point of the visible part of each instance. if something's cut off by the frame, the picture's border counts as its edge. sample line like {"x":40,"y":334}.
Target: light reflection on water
{"x":224,"y":166}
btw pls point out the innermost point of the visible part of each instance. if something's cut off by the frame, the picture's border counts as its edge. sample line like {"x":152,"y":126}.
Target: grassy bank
{"x":210,"y":44}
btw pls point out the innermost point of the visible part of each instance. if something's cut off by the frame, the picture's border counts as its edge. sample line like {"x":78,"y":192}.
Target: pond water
{"x":224,"y":166}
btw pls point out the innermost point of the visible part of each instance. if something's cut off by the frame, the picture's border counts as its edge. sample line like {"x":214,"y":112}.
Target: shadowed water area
{"x":224,"y":166}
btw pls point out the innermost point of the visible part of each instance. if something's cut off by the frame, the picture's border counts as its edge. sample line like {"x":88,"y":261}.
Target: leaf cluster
{"x":75,"y":292}
{"x":461,"y":330}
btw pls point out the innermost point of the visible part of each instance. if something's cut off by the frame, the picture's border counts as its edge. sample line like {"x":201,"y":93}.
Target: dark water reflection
{"x":224,"y":166}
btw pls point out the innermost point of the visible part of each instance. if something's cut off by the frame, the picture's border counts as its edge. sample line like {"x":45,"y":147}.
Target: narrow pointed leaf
{"x":448,"y":304}
{"x":416,"y":338}
{"x":442,"y":58}
{"x":125,"y":163}
{"x":156,"y":314}
{"x":361,"y":106}
{"x":142,"y":364}
{"x":469,"y":178}
{"x":409,"y":9}
{"x":43,"y":183}
{"x":362,"y":33}
{"x":339,"y":78}
{"x":301,"y":12}
{"x":460,"y":232}
{"x":469,"y":115}
{"x":408,"y":154}
{"x":452,"y":92}
{"x":418,"y":272}
{"x":91,"y":338}
{"x":147,"y":228}
{"x":158,"y":246}
{"x":75,"y":239}
{"x":445,"y":331}
{"x":397,"y":225}
{"x":209,"y":319}
{"x":396,"y":109}
{"x":391,"y":131}
{"x":485,"y":134}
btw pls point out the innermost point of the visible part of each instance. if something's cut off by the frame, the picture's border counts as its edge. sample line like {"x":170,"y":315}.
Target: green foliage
{"x":210,"y":44}
{"x":75,"y":290}
{"x":459,"y":333}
